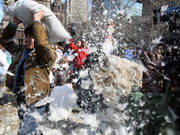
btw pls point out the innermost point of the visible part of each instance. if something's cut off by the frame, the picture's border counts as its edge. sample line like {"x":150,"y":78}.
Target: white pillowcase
{"x":24,"y":10}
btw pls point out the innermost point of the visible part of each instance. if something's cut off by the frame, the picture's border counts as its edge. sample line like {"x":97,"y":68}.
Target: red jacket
{"x":81,"y":54}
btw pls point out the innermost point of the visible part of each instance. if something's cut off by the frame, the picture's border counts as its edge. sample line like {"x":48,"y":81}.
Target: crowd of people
{"x":162,"y":66}
{"x":29,"y":74}
{"x":70,"y":60}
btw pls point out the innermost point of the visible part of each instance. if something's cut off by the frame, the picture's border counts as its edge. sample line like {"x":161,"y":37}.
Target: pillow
{"x":24,"y":10}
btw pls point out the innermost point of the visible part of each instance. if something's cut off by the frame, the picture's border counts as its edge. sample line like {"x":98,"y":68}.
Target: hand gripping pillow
{"x":24,"y":10}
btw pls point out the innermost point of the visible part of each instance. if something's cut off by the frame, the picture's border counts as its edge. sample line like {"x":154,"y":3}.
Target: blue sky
{"x":61,"y":1}
{"x":136,"y":8}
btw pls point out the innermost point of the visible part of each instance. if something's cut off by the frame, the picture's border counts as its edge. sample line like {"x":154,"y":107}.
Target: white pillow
{"x":24,"y":10}
{"x":63,"y":97}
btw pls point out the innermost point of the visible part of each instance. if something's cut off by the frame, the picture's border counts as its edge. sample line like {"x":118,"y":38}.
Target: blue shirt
{"x":128,"y":54}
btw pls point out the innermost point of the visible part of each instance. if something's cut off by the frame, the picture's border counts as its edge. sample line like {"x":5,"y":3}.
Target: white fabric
{"x":63,"y":97}
{"x":58,"y":58}
{"x":59,"y":55}
{"x":3,"y":63}
{"x":24,"y":10}
{"x":108,"y":45}
{"x":163,"y":9}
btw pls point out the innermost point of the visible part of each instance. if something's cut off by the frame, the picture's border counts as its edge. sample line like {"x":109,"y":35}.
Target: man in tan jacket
{"x":31,"y":80}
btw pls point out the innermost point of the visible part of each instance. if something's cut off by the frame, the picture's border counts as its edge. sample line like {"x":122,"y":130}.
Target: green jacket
{"x":38,"y":63}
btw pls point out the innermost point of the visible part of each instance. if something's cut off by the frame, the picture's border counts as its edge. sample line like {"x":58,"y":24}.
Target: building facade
{"x":58,"y":8}
{"x":151,"y":31}
{"x":77,"y":11}
{"x":76,"y":16}
{"x":46,"y":3}
{"x":150,"y":5}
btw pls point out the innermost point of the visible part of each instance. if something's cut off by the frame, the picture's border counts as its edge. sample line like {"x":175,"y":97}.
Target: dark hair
{"x":29,"y":31}
{"x":61,"y":43}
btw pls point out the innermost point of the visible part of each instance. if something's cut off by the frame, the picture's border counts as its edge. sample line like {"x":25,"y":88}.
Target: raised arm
{"x":72,"y":46}
{"x":42,"y":46}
